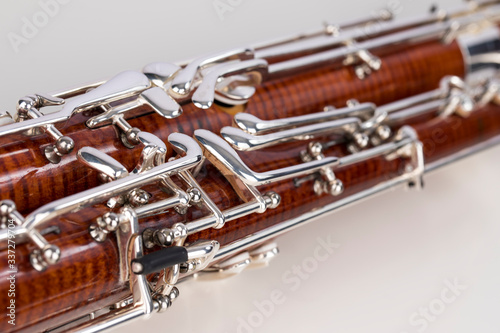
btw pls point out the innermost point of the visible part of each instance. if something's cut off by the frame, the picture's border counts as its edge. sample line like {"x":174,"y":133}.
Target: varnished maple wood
{"x":86,"y":279}
{"x":27,"y":178}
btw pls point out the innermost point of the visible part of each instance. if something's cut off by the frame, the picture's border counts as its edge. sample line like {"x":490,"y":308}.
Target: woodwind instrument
{"x":191,"y":170}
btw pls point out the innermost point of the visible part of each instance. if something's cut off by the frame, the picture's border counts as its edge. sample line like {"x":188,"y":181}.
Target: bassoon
{"x":113,"y":192}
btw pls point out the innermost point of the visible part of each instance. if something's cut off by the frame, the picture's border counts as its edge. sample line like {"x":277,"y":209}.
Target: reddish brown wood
{"x":27,"y":178}
{"x":87,"y":276}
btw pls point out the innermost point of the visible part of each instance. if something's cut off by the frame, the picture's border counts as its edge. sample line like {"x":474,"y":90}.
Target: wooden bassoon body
{"x":187,"y":170}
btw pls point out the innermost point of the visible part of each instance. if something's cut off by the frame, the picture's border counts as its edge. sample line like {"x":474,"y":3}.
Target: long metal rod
{"x":113,"y":320}
{"x":105,"y":191}
{"x":411,"y":101}
{"x":421,"y":27}
{"x":414,"y":111}
{"x":376,"y":26}
{"x":311,"y":216}
{"x":428,"y":32}
{"x":230,"y":215}
{"x":157,"y":207}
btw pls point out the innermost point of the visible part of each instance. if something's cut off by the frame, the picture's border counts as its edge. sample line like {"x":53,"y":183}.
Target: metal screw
{"x":65,"y":145}
{"x":273,"y":199}
{"x":164,"y":237}
{"x":383,"y":132}
{"x":7,"y":207}
{"x":335,"y":187}
{"x":315,"y":149}
{"x":138,"y":197}
{"x":195,"y":194}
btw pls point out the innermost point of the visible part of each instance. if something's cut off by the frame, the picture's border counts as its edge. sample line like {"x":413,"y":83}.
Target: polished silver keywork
{"x":165,"y":178}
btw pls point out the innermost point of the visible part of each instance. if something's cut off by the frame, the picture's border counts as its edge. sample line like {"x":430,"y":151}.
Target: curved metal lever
{"x":107,"y":166}
{"x":235,"y":90}
{"x":153,"y":154}
{"x":161,"y":102}
{"x":160,"y":72}
{"x":183,"y":81}
{"x":253,"y":125}
{"x":204,"y":96}
{"x":35,"y":101}
{"x":241,"y":140}
{"x":182,"y":143}
{"x":155,"y":97}
{"x":230,"y":164}
{"x":123,"y":85}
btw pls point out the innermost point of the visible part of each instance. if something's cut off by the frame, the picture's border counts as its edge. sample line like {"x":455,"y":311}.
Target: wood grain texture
{"x":27,"y":178}
{"x":86,"y":279}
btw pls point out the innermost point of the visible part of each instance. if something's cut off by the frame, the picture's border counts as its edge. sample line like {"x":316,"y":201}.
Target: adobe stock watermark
{"x":439,"y":137}
{"x":223,"y":7}
{"x":31,"y":26}
{"x":421,"y":319}
{"x":373,"y":27}
{"x":292,"y":279}
{"x":12,"y":271}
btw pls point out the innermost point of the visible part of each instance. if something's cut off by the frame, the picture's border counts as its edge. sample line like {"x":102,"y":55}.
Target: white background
{"x":396,"y":250}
